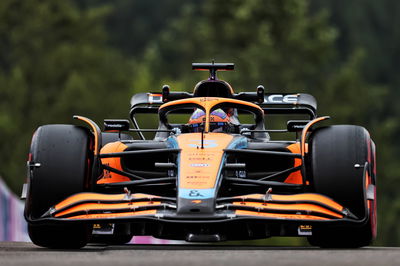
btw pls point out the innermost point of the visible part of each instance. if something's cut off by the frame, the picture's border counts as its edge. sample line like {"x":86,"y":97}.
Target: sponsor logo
{"x":197,"y":176}
{"x":195,"y":194}
{"x":201,"y":154}
{"x":154,"y":98}
{"x":280,"y":98}
{"x":208,"y":99}
{"x":209,"y":143}
{"x":200,"y":159}
{"x":304,"y":230}
{"x":196,"y":183}
{"x":199,"y":165}
{"x":299,"y":126}
{"x":115,"y":125}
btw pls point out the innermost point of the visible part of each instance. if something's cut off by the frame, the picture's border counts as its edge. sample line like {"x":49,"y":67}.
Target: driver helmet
{"x":219,"y":121}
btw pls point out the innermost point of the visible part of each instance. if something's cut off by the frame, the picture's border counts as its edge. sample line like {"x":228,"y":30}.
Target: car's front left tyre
{"x":342,"y":159}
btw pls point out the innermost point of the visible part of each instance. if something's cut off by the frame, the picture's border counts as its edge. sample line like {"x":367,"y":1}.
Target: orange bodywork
{"x":113,"y":215}
{"x":200,"y":161}
{"x":199,"y":167}
{"x":295,"y":177}
{"x":297,"y":197}
{"x":294,"y":207}
{"x":305,"y":132}
{"x":97,"y":206}
{"x":121,"y":206}
{"x":99,"y":197}
{"x":110,"y":177}
{"x":279,"y":215}
{"x":95,"y":129}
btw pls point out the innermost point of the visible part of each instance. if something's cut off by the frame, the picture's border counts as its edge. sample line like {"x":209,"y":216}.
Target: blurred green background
{"x":88,"y":57}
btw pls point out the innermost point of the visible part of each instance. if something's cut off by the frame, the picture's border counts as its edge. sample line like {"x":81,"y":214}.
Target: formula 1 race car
{"x":211,"y":172}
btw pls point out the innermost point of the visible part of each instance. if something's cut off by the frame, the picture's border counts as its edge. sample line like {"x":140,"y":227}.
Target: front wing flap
{"x":96,"y":207}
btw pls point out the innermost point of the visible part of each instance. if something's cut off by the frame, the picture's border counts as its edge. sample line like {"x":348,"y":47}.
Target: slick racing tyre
{"x":342,"y":161}
{"x":63,"y":159}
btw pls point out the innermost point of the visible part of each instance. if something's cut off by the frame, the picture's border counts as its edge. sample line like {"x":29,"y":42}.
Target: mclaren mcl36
{"x":213,"y":170}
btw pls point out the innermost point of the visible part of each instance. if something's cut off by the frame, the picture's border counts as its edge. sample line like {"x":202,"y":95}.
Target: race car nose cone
{"x":196,"y":206}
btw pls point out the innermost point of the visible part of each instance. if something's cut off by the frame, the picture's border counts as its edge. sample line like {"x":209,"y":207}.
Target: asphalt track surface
{"x":18,"y":253}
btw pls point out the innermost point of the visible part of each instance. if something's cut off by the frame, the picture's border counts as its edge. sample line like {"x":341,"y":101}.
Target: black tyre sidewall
{"x":72,"y":236}
{"x":334,"y":152}
{"x":62,"y":151}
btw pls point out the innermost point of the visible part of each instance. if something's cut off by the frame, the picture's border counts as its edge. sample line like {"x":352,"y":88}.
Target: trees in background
{"x":371,"y":28}
{"x":54,"y":63}
{"x":60,"y":58}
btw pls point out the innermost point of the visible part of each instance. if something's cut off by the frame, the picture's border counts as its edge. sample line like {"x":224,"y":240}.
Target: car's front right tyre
{"x":62,"y":158}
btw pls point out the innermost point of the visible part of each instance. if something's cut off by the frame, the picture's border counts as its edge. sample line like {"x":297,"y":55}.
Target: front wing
{"x":297,"y":208}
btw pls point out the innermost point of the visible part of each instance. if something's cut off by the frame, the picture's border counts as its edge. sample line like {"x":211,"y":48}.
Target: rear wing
{"x":289,"y":103}
{"x":271,"y":103}
{"x":274,"y":103}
